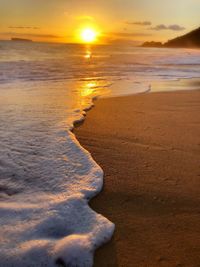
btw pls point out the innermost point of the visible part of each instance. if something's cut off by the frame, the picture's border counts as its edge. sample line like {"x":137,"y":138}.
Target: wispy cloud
{"x":140,"y":23}
{"x":24,"y":27}
{"x":128,"y":34}
{"x":44,"y":35}
{"x":31,"y":35}
{"x":174,"y":27}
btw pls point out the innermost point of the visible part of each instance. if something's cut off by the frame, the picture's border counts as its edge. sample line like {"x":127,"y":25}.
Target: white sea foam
{"x":47,"y":178}
{"x":53,"y":223}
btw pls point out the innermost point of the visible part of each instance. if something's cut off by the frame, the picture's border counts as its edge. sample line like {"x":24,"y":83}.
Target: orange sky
{"x":116,"y":20}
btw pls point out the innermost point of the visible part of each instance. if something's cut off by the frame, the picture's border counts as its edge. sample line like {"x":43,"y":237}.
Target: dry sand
{"x":149,"y":148}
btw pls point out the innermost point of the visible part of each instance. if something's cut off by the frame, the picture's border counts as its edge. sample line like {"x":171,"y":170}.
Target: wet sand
{"x":149,"y":148}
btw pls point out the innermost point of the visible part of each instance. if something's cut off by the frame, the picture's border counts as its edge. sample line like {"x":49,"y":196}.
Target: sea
{"x":46,"y":177}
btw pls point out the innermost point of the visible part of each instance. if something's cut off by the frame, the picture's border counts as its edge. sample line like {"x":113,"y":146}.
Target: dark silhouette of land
{"x":189,"y":40}
{"x":152,"y":44}
{"x":20,"y":40}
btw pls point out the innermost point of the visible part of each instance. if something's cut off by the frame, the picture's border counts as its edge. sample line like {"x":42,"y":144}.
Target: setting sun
{"x":88,"y":35}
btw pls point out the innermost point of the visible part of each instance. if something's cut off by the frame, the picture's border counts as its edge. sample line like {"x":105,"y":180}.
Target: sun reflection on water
{"x":88,"y":54}
{"x":88,"y":88}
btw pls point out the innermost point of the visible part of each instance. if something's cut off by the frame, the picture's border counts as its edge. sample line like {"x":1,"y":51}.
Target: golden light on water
{"x":88,"y":54}
{"x":88,"y":88}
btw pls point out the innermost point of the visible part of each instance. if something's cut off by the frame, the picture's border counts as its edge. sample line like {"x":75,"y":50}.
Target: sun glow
{"x":88,"y":35}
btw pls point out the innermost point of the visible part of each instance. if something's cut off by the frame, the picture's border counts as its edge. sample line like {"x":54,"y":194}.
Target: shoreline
{"x":151,"y":186}
{"x":166,"y":85}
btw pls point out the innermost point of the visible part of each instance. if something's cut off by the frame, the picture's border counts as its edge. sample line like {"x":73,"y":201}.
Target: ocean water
{"x":46,"y":177}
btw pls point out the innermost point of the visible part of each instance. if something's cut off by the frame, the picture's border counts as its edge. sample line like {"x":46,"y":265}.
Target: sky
{"x":116,"y":21}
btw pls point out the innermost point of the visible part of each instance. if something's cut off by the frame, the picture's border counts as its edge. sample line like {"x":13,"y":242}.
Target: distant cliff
{"x":152,"y":44}
{"x":191,"y":39}
{"x":21,"y":40}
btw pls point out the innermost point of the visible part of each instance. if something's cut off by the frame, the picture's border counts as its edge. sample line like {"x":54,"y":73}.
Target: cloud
{"x":140,"y":23}
{"x":159,"y":27}
{"x":31,"y":35}
{"x":174,"y":27}
{"x":44,"y":35}
{"x":24,"y":27}
{"x":128,"y":34}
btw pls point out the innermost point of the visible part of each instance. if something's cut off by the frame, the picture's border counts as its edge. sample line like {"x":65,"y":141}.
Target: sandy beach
{"x":149,"y":148}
